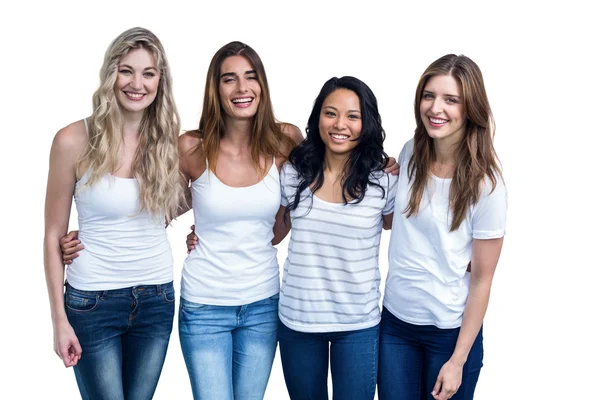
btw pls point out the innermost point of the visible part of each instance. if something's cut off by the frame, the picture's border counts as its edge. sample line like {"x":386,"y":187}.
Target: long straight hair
{"x":156,"y":161}
{"x":267,"y":139}
{"x":308,"y":158}
{"x":476,"y":158}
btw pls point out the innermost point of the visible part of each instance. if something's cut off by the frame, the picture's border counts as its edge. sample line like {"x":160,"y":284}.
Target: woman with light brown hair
{"x":114,"y":319}
{"x":447,"y":234}
{"x":230,"y":280}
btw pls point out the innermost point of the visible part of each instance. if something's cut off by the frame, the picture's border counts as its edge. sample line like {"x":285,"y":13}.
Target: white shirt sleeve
{"x":489,"y":214}
{"x":391,"y":194}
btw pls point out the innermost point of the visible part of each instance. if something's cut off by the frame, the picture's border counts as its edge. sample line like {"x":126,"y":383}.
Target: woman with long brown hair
{"x":230,"y":280}
{"x":447,"y":234}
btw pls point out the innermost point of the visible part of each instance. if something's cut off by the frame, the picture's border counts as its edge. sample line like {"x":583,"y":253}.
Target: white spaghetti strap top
{"x":234,"y":262}
{"x":123,"y":246}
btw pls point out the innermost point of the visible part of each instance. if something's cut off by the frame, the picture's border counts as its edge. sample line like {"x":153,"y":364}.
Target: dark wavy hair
{"x":308,"y":158}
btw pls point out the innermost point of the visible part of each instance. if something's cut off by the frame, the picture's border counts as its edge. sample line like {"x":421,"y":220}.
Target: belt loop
{"x":158,"y":290}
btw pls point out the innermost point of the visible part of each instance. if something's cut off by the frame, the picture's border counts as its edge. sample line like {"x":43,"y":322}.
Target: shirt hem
{"x":313,"y":328}
{"x":231,"y":303}
{"x":422,"y":322}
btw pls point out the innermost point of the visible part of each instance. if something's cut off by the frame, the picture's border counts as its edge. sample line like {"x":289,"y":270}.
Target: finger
{"x":437,"y":386}
{"x":72,"y":250}
{"x":70,"y":257}
{"x":65,"y":243}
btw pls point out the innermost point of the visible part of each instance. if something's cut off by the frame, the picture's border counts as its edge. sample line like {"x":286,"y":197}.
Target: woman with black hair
{"x":336,"y":198}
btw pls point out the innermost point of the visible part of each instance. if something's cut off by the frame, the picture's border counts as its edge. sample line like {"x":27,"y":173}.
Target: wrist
{"x":458,"y":359}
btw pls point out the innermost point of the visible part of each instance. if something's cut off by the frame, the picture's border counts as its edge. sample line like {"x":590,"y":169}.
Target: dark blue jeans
{"x":305,"y":360}
{"x":124,"y":334}
{"x":411,"y":356}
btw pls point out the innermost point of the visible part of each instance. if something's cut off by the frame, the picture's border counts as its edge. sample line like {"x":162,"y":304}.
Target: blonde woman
{"x":114,"y":320}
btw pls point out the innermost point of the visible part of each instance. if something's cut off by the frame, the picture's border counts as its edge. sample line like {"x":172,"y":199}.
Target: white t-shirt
{"x":331,"y":274}
{"x":428,"y":282}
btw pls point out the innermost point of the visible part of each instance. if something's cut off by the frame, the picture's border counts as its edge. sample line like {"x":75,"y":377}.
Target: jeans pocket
{"x":80,"y":301}
{"x":191,"y":306}
{"x":169,"y":294}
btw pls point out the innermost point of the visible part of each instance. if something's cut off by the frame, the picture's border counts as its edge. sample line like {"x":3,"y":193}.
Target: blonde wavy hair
{"x":156,"y":162}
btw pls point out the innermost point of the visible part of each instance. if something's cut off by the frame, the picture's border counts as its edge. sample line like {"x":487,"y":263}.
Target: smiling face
{"x":442,"y":109}
{"x":137,"y":81}
{"x":340,"y":121}
{"x":239,"y":89}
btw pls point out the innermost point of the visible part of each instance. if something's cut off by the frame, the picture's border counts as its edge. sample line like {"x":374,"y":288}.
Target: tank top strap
{"x":86,"y":126}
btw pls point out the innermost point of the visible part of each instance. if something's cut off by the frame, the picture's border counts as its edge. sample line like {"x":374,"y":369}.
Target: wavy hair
{"x":476,"y":158}
{"x":156,"y":162}
{"x":267,"y":138}
{"x":368,"y":156}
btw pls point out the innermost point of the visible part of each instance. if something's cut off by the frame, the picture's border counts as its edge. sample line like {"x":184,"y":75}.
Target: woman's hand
{"x":392,"y":167}
{"x":66,"y":344}
{"x":70,"y":246}
{"x":192,"y":240}
{"x":448,"y":380}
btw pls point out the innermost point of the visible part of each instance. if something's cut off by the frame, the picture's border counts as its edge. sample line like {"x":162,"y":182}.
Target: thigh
{"x":305,"y":360}
{"x":146,"y":341}
{"x":400,"y":360}
{"x":99,"y":322}
{"x":354,"y":357}
{"x":439,"y":349}
{"x":205,"y":335}
{"x":254,"y":346}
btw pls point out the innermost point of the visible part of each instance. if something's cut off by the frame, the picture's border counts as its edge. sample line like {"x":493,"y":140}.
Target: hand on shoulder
{"x":293,"y":132}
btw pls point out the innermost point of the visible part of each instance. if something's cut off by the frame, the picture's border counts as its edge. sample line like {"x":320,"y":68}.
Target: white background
{"x":542,"y":81}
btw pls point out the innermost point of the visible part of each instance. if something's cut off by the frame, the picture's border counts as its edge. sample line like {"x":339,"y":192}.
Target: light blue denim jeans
{"x":124,"y":334}
{"x":229,"y":350}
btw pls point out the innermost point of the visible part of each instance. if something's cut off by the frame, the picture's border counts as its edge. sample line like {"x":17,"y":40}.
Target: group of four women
{"x":250,"y":180}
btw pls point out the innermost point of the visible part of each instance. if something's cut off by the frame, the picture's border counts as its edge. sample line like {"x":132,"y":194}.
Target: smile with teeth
{"x":242,"y":100}
{"x":339,"y":136}
{"x":437,"y":122}
{"x":134,"y":96}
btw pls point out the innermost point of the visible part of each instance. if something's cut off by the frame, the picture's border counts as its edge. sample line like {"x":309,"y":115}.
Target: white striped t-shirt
{"x":331,"y":274}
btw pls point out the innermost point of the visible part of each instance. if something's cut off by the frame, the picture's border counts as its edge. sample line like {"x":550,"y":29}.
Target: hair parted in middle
{"x":368,"y":156}
{"x":476,"y":159}
{"x":156,"y":162}
{"x":267,"y":138}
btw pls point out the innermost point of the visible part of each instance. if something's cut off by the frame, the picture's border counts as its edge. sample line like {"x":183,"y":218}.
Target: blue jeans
{"x":229,"y":350}
{"x":124,"y":334}
{"x":411,"y":357}
{"x":305,"y":359}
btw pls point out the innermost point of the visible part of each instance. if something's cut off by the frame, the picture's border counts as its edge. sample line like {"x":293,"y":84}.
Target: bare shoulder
{"x":189,"y":142}
{"x":71,"y":140}
{"x":292,"y":131}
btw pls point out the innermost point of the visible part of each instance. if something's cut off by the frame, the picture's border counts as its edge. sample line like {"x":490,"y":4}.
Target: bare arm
{"x":293,"y":132}
{"x":66,"y":147}
{"x":282,"y":226}
{"x":387,"y":221}
{"x":190,"y":166}
{"x":483,"y":265}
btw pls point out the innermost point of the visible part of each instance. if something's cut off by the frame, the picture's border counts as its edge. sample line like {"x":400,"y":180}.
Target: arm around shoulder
{"x":293,"y":132}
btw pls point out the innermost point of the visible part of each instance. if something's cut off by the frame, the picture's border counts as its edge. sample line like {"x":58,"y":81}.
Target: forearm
{"x":54,"y":270}
{"x":477,"y":302}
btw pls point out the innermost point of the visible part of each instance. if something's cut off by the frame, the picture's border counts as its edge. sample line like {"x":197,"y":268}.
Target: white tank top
{"x":123,"y":246}
{"x":234,"y":262}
